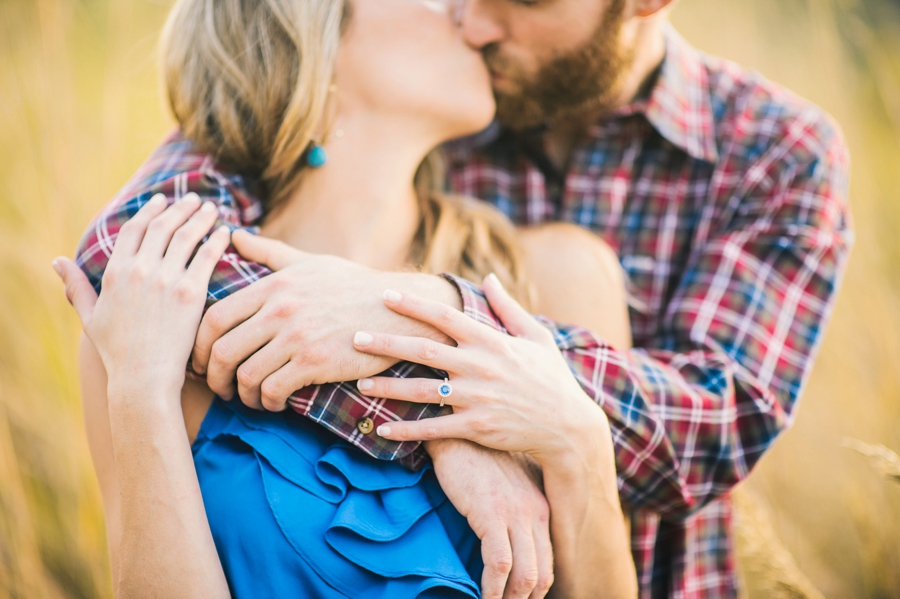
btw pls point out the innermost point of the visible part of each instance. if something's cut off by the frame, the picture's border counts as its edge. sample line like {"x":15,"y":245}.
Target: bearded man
{"x":724,"y":198}
{"x":720,"y":196}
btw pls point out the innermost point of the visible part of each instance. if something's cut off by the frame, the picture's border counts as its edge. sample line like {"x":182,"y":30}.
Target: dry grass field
{"x":80,"y":109}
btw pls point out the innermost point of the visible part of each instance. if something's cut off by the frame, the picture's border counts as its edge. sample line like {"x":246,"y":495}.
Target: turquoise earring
{"x":317,"y":156}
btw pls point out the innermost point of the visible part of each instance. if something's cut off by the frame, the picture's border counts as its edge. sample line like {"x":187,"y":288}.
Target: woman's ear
{"x":648,"y":8}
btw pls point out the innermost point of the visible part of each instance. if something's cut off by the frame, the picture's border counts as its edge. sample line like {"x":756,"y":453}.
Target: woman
{"x":270,"y":504}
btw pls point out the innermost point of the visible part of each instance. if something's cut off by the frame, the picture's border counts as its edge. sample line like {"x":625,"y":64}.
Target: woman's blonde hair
{"x":248,"y":82}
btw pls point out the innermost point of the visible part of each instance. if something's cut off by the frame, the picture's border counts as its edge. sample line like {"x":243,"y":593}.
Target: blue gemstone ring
{"x":445,"y":391}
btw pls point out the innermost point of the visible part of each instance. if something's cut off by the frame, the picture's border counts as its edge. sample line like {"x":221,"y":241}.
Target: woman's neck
{"x":361,"y":205}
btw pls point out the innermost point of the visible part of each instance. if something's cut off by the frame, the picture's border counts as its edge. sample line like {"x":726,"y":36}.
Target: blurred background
{"x":80,"y":109}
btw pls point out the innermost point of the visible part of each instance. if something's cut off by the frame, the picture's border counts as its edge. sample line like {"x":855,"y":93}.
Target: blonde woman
{"x":257,"y":504}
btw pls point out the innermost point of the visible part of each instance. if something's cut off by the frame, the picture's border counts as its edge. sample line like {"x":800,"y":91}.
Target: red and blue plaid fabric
{"x":724,"y":197}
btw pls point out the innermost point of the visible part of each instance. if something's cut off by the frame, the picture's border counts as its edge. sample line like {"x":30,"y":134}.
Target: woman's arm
{"x":142,"y":327}
{"x":159,"y":539}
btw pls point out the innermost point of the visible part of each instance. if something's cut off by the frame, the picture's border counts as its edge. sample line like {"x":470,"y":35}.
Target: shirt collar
{"x":679,"y":105}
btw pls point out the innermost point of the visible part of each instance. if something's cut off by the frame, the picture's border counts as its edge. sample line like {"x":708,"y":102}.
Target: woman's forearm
{"x":591,"y":544}
{"x":166,"y":548}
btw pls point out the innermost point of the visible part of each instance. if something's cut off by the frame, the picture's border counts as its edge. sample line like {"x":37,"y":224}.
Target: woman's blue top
{"x":297,"y":512}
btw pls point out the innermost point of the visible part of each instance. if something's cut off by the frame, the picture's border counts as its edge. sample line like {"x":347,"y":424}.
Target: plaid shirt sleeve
{"x":174,"y":172}
{"x":692,"y":415}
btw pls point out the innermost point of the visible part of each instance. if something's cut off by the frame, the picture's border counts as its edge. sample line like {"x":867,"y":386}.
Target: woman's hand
{"x":511,"y":393}
{"x":144,"y":322}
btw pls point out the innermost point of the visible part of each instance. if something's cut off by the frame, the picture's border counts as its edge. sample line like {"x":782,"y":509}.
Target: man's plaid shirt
{"x":725,"y":199}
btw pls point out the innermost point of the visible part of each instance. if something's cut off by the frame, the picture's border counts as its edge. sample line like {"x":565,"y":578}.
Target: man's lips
{"x":498,"y":78}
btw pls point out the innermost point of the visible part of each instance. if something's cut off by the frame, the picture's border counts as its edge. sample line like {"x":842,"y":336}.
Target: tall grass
{"x":79,"y":110}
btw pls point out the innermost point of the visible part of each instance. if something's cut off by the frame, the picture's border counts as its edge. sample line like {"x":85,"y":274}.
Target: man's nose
{"x":480,"y":23}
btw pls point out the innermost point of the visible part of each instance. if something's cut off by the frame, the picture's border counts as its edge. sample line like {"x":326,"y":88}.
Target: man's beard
{"x":585,"y":80}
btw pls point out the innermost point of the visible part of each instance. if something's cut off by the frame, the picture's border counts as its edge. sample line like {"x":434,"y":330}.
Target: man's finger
{"x":544,"y":552}
{"x":271,"y":358}
{"x":221,"y":318}
{"x":278,"y":386}
{"x":524,"y":575}
{"x":496,"y":552}
{"x":79,"y":290}
{"x":268,"y":252}
{"x":235,"y":347}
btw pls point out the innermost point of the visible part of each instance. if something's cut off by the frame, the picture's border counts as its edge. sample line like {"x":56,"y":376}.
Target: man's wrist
{"x":431,"y":287}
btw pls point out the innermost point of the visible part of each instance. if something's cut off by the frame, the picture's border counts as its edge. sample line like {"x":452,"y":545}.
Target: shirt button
{"x":365,"y":426}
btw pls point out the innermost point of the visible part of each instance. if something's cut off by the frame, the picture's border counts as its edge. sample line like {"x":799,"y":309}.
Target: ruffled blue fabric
{"x":297,"y":512}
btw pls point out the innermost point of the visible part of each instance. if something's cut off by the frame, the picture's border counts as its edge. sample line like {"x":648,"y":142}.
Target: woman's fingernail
{"x":363,"y":339}
{"x":392,"y":296}
{"x":365,"y":384}
{"x":190,"y":197}
{"x":57,"y":266}
{"x":383,"y":430}
{"x":495,"y":280}
{"x":208,"y":207}
{"x":157,"y":199}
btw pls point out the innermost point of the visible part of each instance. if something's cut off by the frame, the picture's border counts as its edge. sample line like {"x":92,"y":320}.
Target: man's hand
{"x":295,"y":327}
{"x":499,"y":495}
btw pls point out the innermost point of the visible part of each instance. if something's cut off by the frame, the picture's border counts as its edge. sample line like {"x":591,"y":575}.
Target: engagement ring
{"x":445,"y":391}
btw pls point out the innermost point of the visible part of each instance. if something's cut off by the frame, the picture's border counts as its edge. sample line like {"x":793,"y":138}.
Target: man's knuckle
{"x":246,"y":376}
{"x":184,"y":292}
{"x":283,"y":309}
{"x":528,"y":579}
{"x":544,"y":583}
{"x":312,"y":355}
{"x":221,"y":353}
{"x":270,"y":393}
{"x":482,"y":425}
{"x":213,"y":317}
{"x":501,"y":562}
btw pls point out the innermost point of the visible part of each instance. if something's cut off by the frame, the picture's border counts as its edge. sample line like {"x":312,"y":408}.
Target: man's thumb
{"x":79,"y":290}
{"x":269,"y":252}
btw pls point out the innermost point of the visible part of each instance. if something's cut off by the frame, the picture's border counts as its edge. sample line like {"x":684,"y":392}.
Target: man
{"x":723,"y":197}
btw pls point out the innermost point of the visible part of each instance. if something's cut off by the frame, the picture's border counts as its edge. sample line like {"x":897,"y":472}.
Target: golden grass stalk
{"x":767,"y":567}
{"x":882,"y":459}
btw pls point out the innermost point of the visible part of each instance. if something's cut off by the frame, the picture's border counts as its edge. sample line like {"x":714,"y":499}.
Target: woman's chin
{"x":479,"y":117}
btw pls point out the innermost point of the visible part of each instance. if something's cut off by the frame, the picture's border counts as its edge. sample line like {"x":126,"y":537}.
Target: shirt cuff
{"x":475,"y":304}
